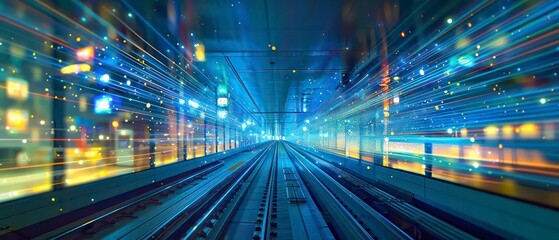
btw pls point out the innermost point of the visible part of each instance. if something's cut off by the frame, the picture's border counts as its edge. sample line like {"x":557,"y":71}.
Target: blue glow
{"x":105,"y":78}
{"x":103,"y":105}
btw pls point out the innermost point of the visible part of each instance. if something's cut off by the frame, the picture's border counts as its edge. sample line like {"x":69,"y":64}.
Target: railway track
{"x":424,"y":225}
{"x":161,"y":209}
{"x":350,"y":217}
{"x":277,"y":192}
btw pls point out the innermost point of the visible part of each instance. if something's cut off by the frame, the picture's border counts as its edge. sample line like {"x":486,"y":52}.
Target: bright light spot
{"x":105,"y":78}
{"x":449,"y":21}
{"x":181,"y":101}
{"x":449,"y":131}
{"x":193,"y":104}
{"x":24,"y":140}
{"x":464,"y":132}
{"x":72,"y":128}
{"x":200,"y":52}
{"x":115,"y":124}
{"x":80,"y":162}
{"x":222,"y":101}
{"x":103,"y":105}
{"x":491,"y":132}
{"x":244,"y":126}
{"x":128,"y":82}
{"x":396,"y":99}
{"x":84,"y":54}
{"x":42,"y":122}
{"x":75,"y":68}
{"x":543,"y":100}
{"x":101,"y":137}
{"x":129,"y":14}
{"x":421,"y":72}
{"x":467,"y":61}
{"x":148,"y":105}
{"x":307,"y":121}
{"x":476,"y":165}
{"x":478,"y":46}
{"x":472,"y":139}
{"x":305,"y":129}
{"x":222,"y":113}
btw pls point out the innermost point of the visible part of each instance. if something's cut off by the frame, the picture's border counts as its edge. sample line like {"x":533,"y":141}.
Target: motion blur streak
{"x":472,"y":99}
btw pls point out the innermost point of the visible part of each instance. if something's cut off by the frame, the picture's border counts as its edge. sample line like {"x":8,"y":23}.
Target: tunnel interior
{"x":449,"y":106}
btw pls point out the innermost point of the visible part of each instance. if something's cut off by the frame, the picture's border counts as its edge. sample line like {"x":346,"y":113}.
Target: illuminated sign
{"x":222,"y":89}
{"x":193,"y":104}
{"x":200,"y":52}
{"x":222,"y":113}
{"x":222,"y":102}
{"x":103,"y":105}
{"x":16,"y":120}
{"x":17,"y":89}
{"x":75,"y":68}
{"x":85,"y":54}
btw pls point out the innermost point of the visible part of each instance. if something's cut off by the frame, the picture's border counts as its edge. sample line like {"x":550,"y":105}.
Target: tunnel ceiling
{"x":289,"y":55}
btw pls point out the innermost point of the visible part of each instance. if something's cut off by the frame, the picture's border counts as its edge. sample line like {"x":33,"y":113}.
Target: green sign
{"x":222,"y":89}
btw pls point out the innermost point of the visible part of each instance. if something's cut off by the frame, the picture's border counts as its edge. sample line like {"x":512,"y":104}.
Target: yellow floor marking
{"x":236,"y":166}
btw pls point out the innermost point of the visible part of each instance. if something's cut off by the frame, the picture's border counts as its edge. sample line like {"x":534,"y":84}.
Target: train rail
{"x":124,"y":218}
{"x":278,"y":192}
{"x":215,"y":216}
{"x":426,"y":223}
{"x":127,"y":211}
{"x":354,"y":219}
{"x":262,"y":209}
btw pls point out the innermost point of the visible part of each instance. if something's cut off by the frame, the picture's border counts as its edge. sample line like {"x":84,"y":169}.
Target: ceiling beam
{"x":241,"y":82}
{"x":278,"y":112}
{"x":286,"y":53}
{"x":291,"y":70}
